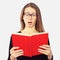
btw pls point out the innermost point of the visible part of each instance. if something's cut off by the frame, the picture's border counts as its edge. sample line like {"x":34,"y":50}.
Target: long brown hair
{"x":39,"y":26}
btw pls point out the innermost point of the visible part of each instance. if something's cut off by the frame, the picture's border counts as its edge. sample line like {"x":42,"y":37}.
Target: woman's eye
{"x":27,"y":14}
{"x":33,"y":14}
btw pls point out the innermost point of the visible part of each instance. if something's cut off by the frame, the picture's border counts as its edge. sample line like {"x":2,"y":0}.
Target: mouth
{"x":30,"y":23}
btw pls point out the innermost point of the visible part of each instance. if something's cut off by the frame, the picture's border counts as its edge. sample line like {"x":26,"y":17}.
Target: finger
{"x":42,"y":51}
{"x":13,"y":48}
{"x":46,"y":46}
{"x":46,"y":52}
{"x":19,"y":51}
{"x":43,"y":47}
{"x":17,"y":55}
{"x":16,"y":51}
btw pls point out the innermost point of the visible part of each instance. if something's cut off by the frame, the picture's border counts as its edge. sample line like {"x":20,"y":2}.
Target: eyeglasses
{"x":28,"y":14}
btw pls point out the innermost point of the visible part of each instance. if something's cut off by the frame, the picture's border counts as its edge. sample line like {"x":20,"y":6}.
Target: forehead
{"x":30,"y":10}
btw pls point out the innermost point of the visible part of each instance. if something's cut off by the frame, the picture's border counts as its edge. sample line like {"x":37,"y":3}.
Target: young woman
{"x":31,"y":23}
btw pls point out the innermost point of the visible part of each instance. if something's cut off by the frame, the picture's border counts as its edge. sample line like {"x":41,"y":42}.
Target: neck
{"x":28,"y":30}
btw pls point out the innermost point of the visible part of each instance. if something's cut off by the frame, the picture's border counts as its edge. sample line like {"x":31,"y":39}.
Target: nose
{"x":30,"y":17}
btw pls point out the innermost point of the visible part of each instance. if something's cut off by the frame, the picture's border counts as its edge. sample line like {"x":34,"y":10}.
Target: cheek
{"x":34,"y":21}
{"x":25,"y":19}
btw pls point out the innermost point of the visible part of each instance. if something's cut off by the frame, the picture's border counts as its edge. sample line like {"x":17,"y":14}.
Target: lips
{"x":29,"y":22}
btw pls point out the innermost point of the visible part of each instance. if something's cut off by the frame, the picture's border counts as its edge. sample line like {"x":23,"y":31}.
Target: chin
{"x":30,"y":26}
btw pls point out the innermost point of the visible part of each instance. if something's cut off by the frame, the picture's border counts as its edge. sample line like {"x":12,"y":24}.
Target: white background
{"x":10,"y":22}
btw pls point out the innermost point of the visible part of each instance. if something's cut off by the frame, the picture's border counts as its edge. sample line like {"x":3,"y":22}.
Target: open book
{"x":29,"y":44}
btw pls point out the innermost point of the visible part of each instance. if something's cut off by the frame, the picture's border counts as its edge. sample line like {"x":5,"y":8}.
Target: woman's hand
{"x":46,"y":49}
{"x":14,"y":53}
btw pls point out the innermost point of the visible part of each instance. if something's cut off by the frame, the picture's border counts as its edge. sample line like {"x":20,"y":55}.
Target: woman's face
{"x":29,"y":17}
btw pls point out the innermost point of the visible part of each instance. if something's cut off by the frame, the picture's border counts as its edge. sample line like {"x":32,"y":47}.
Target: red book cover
{"x":30,"y":44}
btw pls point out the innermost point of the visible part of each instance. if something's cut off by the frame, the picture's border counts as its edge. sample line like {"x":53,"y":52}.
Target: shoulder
{"x":16,"y":32}
{"x":19,"y":32}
